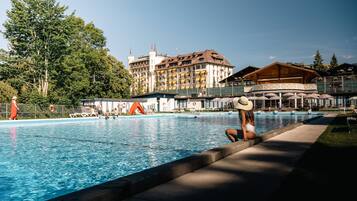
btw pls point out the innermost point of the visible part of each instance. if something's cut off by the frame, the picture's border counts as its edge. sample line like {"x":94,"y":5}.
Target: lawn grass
{"x":328,"y":170}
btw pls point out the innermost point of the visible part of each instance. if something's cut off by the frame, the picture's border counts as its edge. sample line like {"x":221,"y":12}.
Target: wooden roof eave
{"x":253,"y":75}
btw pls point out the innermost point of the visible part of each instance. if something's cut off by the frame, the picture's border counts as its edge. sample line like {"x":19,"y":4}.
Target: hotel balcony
{"x":281,"y":87}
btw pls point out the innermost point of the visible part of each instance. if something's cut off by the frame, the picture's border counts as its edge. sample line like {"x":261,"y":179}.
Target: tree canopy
{"x":318,"y":65}
{"x":333,"y":62}
{"x":56,"y":57}
{"x":6,"y":91}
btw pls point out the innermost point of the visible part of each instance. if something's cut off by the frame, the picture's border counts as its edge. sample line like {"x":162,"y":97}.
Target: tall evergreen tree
{"x":318,"y":65}
{"x":333,"y":62}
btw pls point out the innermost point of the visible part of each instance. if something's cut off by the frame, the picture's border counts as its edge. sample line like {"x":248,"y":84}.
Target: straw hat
{"x":14,"y":98}
{"x":243,"y":103}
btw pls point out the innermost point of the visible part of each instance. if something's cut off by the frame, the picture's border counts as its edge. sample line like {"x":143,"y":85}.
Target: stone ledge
{"x":124,"y":187}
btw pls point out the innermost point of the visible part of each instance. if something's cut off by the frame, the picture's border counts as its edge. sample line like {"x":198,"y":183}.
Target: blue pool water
{"x":40,"y":160}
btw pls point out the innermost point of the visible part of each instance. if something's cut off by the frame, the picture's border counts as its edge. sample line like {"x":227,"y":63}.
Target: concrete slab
{"x":253,"y":173}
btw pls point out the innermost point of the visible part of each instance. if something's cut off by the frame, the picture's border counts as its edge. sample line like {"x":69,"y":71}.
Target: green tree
{"x":14,"y":70}
{"x":35,"y":30}
{"x":318,"y":65}
{"x":58,"y":58}
{"x":333,"y":62}
{"x":6,"y":92}
{"x":139,"y":86}
{"x":119,"y":79}
{"x":89,"y":70}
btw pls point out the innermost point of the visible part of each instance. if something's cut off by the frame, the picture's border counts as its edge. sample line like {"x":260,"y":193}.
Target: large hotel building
{"x":197,"y":70}
{"x":143,"y":71}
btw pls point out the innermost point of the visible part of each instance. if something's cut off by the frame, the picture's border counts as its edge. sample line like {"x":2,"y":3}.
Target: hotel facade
{"x":197,"y":70}
{"x":142,"y":70}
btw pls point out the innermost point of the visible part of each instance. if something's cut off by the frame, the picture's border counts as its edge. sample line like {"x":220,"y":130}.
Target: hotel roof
{"x":207,"y":56}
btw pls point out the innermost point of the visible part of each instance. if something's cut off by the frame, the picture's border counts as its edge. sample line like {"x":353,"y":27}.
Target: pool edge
{"x":130,"y":185}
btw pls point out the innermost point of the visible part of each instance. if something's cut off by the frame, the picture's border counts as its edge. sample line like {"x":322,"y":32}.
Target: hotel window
{"x":186,"y":62}
{"x":173,"y":64}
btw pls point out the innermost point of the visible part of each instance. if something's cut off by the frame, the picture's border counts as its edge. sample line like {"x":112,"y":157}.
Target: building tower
{"x":143,"y":71}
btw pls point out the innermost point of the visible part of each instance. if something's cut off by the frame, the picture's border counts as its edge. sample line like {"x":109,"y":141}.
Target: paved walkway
{"x":251,"y":174}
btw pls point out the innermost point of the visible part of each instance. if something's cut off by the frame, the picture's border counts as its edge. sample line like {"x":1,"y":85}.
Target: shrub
{"x":6,"y":92}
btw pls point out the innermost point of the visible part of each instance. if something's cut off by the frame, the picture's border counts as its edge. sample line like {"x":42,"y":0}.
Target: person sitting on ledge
{"x":246,"y":116}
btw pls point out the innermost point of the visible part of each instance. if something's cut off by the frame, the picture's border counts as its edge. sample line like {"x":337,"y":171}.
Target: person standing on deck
{"x":13,"y":109}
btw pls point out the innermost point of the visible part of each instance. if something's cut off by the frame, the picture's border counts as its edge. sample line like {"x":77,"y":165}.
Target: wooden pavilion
{"x":282,"y":79}
{"x":282,"y":73}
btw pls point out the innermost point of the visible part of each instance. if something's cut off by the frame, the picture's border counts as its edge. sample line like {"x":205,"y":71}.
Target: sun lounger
{"x":73,"y":115}
{"x":85,"y":114}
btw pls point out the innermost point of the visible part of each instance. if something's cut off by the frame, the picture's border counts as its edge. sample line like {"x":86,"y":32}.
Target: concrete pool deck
{"x":252,"y":174}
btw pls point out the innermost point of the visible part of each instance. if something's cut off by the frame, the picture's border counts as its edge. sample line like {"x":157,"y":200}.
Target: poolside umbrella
{"x":325,"y":97}
{"x":253,"y":98}
{"x":315,"y":94}
{"x":294,"y":97}
{"x":262,"y":98}
{"x":274,"y":98}
{"x":301,"y":94}
{"x":270,"y":94}
{"x":311,"y":96}
{"x":288,"y":94}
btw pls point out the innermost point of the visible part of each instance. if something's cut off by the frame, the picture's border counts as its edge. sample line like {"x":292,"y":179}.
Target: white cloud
{"x":347,"y":56}
{"x":272,"y":57}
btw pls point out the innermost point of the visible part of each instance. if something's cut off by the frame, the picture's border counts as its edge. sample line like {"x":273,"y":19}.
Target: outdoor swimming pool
{"x":40,"y":160}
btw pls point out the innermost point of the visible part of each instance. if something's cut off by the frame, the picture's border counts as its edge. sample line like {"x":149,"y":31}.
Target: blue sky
{"x":247,"y":32}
